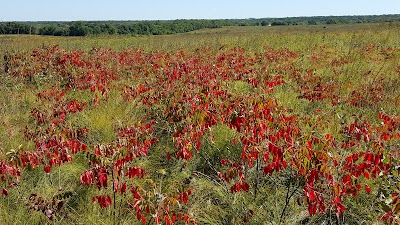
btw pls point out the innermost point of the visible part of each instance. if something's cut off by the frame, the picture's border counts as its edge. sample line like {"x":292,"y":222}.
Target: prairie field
{"x":233,"y":125}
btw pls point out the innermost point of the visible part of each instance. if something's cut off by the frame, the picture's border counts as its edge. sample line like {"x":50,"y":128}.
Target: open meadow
{"x":234,"y":125}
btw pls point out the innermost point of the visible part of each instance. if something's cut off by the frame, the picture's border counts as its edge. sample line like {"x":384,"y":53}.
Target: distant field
{"x":234,"y":125}
{"x":295,"y":37}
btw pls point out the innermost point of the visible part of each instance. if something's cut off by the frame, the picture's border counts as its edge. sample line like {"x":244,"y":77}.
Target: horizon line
{"x":149,"y":20}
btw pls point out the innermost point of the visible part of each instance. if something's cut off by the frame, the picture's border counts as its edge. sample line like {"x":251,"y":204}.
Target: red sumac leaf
{"x":185,"y":197}
{"x":143,"y":219}
{"x":367,"y":189}
{"x":268,"y":169}
{"x":96,"y":101}
{"x":347,"y":180}
{"x":47,"y":169}
{"x":339,"y":209}
{"x":5,"y":192}
{"x":53,"y":161}
{"x":123,"y":187}
{"x":186,"y":218}
{"x":102,"y":180}
{"x":329,"y":137}
{"x":251,"y":212}
{"x":246,"y":219}
{"x":309,"y":145}
{"x":139,"y":215}
{"x":235,"y":188}
{"x":103,"y":200}
{"x":311,"y":195}
{"x":312,"y":209}
{"x":367,"y":175}
{"x":167,"y":220}
{"x":245,"y":187}
{"x":168,"y":156}
{"x":87,"y":177}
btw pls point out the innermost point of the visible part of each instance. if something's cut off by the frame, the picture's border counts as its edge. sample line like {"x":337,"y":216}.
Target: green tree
{"x":78,"y":29}
{"x":264,"y":23}
{"x":278,"y":23}
{"x":312,"y":22}
{"x":332,"y":21}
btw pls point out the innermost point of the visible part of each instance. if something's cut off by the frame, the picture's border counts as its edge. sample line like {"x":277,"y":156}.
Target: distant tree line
{"x":17,"y":28}
{"x":330,"y":20}
{"x":85,"y":28}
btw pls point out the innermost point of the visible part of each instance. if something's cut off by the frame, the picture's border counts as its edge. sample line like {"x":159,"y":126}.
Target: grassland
{"x":355,"y":59}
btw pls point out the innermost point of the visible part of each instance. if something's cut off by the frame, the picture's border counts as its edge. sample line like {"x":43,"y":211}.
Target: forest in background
{"x":161,"y":27}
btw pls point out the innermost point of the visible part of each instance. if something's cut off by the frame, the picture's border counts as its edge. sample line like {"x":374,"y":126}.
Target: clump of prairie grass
{"x":103,"y":120}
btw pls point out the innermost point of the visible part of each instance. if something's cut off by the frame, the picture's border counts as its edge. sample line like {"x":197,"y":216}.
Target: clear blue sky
{"x":71,"y":10}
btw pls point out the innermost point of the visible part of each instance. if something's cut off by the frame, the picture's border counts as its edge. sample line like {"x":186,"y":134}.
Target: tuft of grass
{"x":239,"y":87}
{"x":16,"y":102}
{"x":289,"y":99}
{"x":103,"y":120}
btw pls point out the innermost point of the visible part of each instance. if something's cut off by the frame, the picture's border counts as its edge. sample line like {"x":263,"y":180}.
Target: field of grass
{"x":237,"y":125}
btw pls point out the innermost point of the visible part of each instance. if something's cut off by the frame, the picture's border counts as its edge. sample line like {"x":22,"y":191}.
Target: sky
{"x":72,"y":10}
